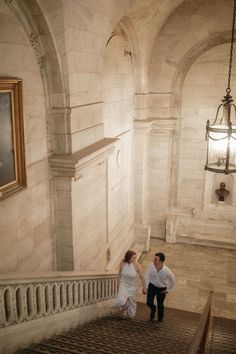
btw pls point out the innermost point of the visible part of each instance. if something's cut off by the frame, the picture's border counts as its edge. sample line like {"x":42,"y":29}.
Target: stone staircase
{"x":223,"y":336}
{"x":113,"y":334}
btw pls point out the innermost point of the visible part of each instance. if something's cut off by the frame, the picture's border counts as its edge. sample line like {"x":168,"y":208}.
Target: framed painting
{"x":12,"y":152}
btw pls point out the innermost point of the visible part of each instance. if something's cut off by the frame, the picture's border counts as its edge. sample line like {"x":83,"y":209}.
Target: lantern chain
{"x":228,"y":90}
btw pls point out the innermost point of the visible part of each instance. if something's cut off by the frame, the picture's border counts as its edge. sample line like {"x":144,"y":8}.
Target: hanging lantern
{"x":221,"y":135}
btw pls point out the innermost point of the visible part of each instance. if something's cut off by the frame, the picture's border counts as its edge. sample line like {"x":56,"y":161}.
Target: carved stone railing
{"x":36,"y":297}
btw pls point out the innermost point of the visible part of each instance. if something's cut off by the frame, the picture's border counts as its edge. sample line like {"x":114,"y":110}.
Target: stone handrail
{"x":34,"y":297}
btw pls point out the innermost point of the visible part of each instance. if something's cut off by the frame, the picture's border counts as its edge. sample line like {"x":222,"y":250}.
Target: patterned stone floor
{"x":198,"y":269}
{"x":115,"y":335}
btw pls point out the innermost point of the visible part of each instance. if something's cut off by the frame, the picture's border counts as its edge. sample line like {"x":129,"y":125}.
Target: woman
{"x":128,"y":283}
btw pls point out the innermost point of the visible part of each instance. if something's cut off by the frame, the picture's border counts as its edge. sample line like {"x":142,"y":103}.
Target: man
{"x":159,"y":281}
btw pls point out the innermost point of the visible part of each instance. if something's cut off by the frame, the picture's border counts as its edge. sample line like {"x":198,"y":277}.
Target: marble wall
{"x":68,"y":87}
{"x":159,"y":179}
{"x":95,"y":220}
{"x":25,"y":221}
{"x":203,"y":91}
{"x":204,"y":219}
{"x":89,"y":215}
{"x":118,"y":85}
{"x":192,"y":81}
{"x":88,"y":71}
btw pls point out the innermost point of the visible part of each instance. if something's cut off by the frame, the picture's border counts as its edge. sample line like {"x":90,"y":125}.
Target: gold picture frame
{"x":12,"y":151}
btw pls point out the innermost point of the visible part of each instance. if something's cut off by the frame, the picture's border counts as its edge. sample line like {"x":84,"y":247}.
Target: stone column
{"x":141,"y":140}
{"x":142,"y":106}
{"x":161,"y":180}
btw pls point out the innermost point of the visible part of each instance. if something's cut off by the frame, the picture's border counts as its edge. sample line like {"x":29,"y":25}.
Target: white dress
{"x":127,"y":289}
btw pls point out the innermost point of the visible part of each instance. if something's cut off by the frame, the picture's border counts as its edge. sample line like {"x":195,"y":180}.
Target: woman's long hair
{"x":128,"y":256}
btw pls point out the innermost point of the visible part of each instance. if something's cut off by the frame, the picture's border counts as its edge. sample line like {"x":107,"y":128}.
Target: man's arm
{"x":171,"y":281}
{"x":148,"y":276}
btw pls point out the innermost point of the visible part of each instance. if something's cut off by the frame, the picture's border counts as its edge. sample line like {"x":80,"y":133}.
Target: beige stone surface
{"x":147,"y":74}
{"x":25,"y":217}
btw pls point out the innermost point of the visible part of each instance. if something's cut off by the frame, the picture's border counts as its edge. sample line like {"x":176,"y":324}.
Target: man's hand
{"x":144,"y":291}
{"x":164,"y":292}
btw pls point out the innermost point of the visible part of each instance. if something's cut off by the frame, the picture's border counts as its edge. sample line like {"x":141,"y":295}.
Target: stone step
{"x":223,"y":336}
{"x":115,"y":335}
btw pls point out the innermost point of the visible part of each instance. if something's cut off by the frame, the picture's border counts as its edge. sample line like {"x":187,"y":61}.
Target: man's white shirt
{"x":162,"y":279}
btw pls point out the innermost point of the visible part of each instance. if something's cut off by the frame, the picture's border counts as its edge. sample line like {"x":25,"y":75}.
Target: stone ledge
{"x":71,"y":165}
{"x":212,"y":226}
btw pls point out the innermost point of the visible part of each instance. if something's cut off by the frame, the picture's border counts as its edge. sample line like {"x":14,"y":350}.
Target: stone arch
{"x":128,"y":28}
{"x":177,"y":89}
{"x":187,"y":61}
{"x":40,"y":37}
{"x":194,"y":27}
{"x":125,"y":28}
{"x":118,"y":83}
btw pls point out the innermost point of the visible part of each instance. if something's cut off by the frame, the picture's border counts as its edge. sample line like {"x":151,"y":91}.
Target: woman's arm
{"x":139,"y":270}
{"x":119,"y":274}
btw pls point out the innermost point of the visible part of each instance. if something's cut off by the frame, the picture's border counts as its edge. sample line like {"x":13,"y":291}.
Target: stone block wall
{"x":25,"y":219}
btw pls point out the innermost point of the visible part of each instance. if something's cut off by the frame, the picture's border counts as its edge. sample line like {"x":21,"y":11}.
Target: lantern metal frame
{"x":222,"y":131}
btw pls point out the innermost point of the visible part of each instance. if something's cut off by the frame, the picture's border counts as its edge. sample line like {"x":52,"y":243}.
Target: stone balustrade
{"x":28,"y":299}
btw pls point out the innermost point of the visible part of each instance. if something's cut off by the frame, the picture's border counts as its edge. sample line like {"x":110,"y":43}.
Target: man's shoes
{"x":159,"y":321}
{"x":152,"y":313}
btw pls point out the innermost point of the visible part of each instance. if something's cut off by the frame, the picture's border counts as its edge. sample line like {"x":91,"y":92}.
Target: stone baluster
{"x":63,"y":294}
{"x":85,"y":293}
{"x":2,"y":310}
{"x":10,"y":305}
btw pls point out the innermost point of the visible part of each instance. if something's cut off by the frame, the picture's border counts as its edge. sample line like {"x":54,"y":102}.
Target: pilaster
{"x":154,"y":153}
{"x":88,"y":165}
{"x":142,"y":130}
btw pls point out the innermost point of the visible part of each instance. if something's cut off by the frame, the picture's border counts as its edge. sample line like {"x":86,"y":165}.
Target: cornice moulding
{"x":74,"y":164}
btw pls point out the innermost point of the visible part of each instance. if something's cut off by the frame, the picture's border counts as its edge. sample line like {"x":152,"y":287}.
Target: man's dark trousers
{"x":158,"y":292}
